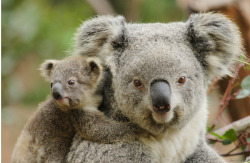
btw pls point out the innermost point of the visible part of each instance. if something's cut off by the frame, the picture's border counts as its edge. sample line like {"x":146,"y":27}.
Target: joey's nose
{"x":161,"y":96}
{"x":57,"y":91}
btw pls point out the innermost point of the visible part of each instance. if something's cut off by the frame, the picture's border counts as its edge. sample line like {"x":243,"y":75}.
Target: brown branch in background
{"x":102,"y":7}
{"x":132,"y":10}
{"x":226,"y":97}
{"x":204,"y":5}
{"x":233,"y":96}
{"x":241,"y":127}
{"x":224,"y":120}
{"x":235,"y":154}
{"x":228,"y":153}
{"x":244,"y":8}
{"x":211,"y":88}
{"x":238,"y":126}
{"x":211,"y":141}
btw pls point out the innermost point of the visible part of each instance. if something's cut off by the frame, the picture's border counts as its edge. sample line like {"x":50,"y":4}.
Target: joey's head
{"x":160,"y":71}
{"x":72,"y":80}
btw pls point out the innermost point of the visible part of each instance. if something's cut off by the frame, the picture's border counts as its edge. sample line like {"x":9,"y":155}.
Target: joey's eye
{"x":71,"y":82}
{"x":181,"y":80}
{"x":138,"y":84}
{"x":51,"y":84}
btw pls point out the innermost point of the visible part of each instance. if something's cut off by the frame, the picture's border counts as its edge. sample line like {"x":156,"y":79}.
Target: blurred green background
{"x":35,"y":30}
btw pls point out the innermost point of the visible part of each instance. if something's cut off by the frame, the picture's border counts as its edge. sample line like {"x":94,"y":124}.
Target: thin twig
{"x":214,"y":140}
{"x":238,"y":126}
{"x":234,"y":154}
{"x":236,"y":147}
{"x":226,"y":97}
{"x":211,"y":88}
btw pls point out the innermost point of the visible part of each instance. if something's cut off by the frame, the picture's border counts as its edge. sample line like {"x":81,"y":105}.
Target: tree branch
{"x":234,"y":154}
{"x":238,"y":126}
{"x":211,"y":88}
{"x":102,"y":7}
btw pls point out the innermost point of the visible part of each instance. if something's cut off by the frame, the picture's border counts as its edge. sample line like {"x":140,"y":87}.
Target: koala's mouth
{"x":161,"y":123}
{"x":163,"y":117}
{"x":161,"y":109}
{"x":63,"y":102}
{"x":171,"y":117}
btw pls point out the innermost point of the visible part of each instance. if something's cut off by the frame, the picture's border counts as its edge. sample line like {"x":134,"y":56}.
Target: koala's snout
{"x":161,"y":96}
{"x":57,"y":91}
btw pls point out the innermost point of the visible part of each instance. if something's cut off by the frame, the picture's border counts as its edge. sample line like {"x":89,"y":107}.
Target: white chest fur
{"x":177,"y":144}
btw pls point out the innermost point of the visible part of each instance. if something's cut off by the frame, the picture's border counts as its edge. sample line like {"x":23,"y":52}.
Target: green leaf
{"x":243,"y":94}
{"x":218,"y":136}
{"x":226,"y":141}
{"x":245,"y":84}
{"x":242,"y":59}
{"x":243,"y":62}
{"x":208,"y":129}
{"x":248,"y":140}
{"x":231,"y":135}
{"x":243,"y":147}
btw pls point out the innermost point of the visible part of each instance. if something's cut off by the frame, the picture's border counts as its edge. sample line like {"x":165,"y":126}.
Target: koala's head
{"x":160,"y":71}
{"x":73,"y":80}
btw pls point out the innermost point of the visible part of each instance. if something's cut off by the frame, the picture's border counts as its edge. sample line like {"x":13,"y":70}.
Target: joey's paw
{"x":136,"y":129}
{"x":76,"y":114}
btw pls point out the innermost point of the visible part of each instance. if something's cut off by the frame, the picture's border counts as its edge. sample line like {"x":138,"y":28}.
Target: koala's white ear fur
{"x":93,"y":34}
{"x":216,"y":42}
{"x":47,"y":67}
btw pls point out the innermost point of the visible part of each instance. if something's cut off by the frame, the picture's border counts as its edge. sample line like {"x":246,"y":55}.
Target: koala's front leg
{"x":204,"y":153}
{"x":95,"y":126}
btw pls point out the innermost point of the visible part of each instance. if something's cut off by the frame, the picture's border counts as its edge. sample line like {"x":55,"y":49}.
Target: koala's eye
{"x":71,"y":82}
{"x":181,"y":80}
{"x":138,"y":84}
{"x":51,"y":84}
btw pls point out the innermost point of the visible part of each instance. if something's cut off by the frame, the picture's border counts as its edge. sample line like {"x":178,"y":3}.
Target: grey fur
{"x":48,"y":135}
{"x":95,"y":33}
{"x":129,"y":152}
{"x":216,"y":43}
{"x":204,"y":153}
{"x":200,"y":49}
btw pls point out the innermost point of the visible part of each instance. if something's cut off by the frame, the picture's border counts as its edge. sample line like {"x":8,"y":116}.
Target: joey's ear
{"x":216,"y":43}
{"x":47,"y":67}
{"x":95,"y":67}
{"x":98,"y":32}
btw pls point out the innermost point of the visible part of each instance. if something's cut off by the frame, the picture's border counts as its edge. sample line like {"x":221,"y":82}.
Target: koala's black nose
{"x":57,"y":91}
{"x":161,"y":96}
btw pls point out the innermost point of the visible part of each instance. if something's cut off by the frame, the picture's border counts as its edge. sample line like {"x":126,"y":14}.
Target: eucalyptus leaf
{"x":231,"y":135}
{"x":208,"y":129}
{"x":243,"y":94}
{"x":245,"y":84}
{"x":243,"y":147}
{"x":218,"y":136}
{"x":226,"y":141}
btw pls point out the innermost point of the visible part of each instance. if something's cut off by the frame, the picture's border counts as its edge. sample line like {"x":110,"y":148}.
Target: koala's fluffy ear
{"x":95,"y":33}
{"x":216,"y":42}
{"x":95,"y":68}
{"x":47,"y":67}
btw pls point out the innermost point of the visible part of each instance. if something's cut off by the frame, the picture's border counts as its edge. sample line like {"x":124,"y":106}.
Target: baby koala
{"x":72,"y":107}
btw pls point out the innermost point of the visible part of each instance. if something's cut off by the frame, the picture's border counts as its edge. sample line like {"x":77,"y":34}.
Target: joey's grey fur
{"x":184,"y":56}
{"x":72,"y":108}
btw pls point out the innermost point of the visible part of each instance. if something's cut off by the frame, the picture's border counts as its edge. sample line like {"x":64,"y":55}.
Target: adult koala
{"x":156,"y":77}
